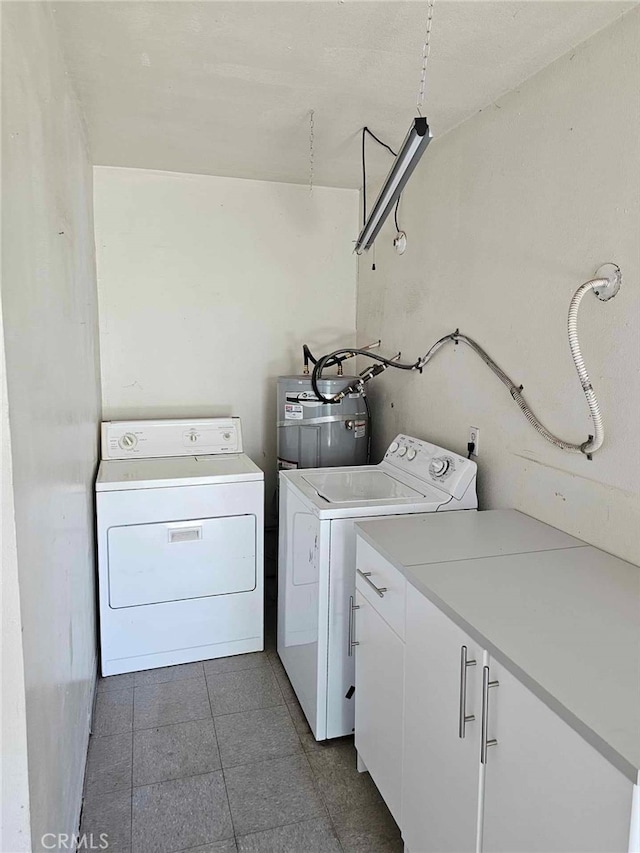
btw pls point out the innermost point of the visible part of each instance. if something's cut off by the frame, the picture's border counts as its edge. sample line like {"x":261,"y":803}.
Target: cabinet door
{"x":379,"y":690}
{"x":441,"y":767}
{"x":547,"y":789}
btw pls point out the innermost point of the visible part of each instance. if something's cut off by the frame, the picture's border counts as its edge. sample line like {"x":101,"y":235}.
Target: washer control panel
{"x":442,"y":468}
{"x":152,"y":439}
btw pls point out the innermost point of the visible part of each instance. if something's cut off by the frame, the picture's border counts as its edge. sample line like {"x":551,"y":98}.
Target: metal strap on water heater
{"x":327,"y":419}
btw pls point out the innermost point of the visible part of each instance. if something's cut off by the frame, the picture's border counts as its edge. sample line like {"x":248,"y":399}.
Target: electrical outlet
{"x":474,"y":438}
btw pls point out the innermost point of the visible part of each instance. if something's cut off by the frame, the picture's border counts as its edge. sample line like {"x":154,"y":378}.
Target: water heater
{"x":313,"y":434}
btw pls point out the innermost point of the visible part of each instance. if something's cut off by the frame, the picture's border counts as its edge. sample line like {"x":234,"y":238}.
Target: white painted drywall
{"x":506,"y":216}
{"x":208,"y":287}
{"x":50,"y":328}
{"x":15,"y":832}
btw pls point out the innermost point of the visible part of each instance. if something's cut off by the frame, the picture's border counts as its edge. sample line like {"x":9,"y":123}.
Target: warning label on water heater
{"x":360,"y":428}
{"x":292,"y":412}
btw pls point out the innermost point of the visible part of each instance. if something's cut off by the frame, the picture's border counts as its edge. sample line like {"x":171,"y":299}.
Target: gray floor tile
{"x":116,"y":682}
{"x":279,"y":795}
{"x":109,"y":814}
{"x":272,"y":793}
{"x":298,"y":717}
{"x":309,"y":743}
{"x":236,"y":663}
{"x":172,"y":752}
{"x":227,"y":846}
{"x":231,"y":692}
{"x":169,"y":673}
{"x":342,"y":787}
{"x":256,"y":736}
{"x":368,"y":830}
{"x":180,"y":814}
{"x":312,"y":836}
{"x":109,"y":763}
{"x":274,"y":660}
{"x":283,"y":680}
{"x":113,"y":712}
{"x":170,"y":702}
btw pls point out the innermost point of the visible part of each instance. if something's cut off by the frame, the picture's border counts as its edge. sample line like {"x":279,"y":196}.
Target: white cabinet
{"x":374,"y":573}
{"x":539,"y":787}
{"x":443,"y":669}
{"x":545,"y":787}
{"x":377,"y":622}
{"x":379,"y":690}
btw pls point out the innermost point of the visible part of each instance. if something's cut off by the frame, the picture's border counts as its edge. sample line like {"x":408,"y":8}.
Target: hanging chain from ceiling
{"x":311,"y":151}
{"x":426,"y":50}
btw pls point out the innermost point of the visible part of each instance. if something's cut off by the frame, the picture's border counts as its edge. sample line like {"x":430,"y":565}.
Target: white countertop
{"x":562,"y":616}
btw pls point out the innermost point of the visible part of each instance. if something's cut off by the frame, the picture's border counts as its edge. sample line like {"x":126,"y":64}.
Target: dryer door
{"x":173,"y":561}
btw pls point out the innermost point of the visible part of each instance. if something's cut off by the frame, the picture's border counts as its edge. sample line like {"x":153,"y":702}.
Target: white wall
{"x":506,"y":216}
{"x":15,"y":832}
{"x":50,"y":328}
{"x":209,"y":286}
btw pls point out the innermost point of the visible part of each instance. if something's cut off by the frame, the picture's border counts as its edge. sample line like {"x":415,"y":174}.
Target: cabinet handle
{"x":485,"y":743}
{"x":351,"y":642}
{"x":380,"y":590}
{"x":463,"y":717}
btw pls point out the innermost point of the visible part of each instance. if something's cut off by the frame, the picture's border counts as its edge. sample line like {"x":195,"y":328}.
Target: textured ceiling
{"x":225,"y":88}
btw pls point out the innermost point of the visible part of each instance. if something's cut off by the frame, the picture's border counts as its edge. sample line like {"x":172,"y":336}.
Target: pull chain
{"x":311,"y":152}
{"x":426,"y":50}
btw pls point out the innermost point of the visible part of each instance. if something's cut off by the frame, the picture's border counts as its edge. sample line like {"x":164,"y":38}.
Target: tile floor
{"x":217,"y":756}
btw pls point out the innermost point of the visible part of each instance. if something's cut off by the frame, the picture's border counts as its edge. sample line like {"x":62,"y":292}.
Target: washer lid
{"x":117,"y":475}
{"x":359,"y":486}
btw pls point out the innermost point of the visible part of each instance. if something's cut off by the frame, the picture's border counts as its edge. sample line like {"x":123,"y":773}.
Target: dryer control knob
{"x":393,"y":447}
{"x":128,"y":441}
{"x":402,"y":451}
{"x":411,"y":454}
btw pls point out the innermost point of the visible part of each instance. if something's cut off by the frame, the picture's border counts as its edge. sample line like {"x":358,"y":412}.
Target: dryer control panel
{"x":153,"y":439}
{"x":443,"y":468}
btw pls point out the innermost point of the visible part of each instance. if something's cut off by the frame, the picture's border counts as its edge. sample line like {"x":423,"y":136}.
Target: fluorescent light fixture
{"x":415,"y":142}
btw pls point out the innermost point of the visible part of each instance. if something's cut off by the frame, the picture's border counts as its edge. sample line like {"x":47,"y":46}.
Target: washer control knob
{"x":226,"y":436}
{"x":402,"y":451}
{"x":393,"y":447}
{"x":411,"y":454}
{"x":439,"y":466}
{"x":193,"y":436}
{"x":128,"y":441}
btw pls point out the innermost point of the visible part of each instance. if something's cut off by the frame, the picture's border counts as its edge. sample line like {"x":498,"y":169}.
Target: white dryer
{"x":317,"y":551}
{"x":180,"y":543}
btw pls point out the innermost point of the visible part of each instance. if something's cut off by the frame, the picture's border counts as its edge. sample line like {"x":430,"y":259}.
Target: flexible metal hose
{"x":595,"y":441}
{"x":330,"y":357}
{"x":591,"y":445}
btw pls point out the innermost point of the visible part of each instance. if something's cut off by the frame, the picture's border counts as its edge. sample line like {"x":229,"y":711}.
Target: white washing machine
{"x":180,"y":543}
{"x":317,"y":551}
